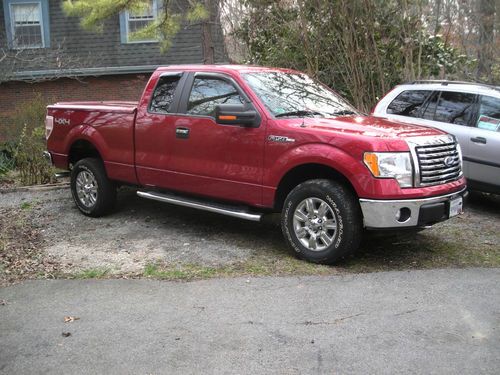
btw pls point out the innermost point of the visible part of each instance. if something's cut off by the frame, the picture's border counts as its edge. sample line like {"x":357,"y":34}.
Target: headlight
{"x":391,"y":165}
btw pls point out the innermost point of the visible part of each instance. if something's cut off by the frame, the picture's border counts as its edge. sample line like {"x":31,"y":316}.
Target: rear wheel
{"x":321,"y":221}
{"x":93,"y":193}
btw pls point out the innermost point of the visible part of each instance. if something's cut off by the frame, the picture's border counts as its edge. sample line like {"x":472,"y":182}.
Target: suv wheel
{"x":321,"y":221}
{"x":93,"y":193}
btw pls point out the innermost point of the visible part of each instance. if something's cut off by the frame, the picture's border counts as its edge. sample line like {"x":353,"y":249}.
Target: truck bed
{"x":108,"y":106}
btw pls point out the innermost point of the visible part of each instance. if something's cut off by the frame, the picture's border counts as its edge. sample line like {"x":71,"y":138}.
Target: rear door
{"x":484,"y":143}
{"x":155,"y":128}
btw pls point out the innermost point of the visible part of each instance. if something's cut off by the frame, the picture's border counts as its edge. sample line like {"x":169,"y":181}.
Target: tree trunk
{"x":486,"y":27}
{"x":206,"y":35}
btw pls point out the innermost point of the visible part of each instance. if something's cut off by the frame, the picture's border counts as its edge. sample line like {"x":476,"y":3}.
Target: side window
{"x":431,"y":107}
{"x":455,"y":108}
{"x":208,"y":92}
{"x":489,"y":114}
{"x":408,"y":103}
{"x":164,"y":94}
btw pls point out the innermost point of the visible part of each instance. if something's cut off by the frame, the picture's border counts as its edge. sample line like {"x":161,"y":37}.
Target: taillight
{"x":49,"y":125}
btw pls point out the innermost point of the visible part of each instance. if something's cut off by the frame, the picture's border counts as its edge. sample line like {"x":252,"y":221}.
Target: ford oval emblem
{"x":448,"y":161}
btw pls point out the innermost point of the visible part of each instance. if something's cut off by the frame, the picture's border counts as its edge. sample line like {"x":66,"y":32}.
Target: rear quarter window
{"x":489,"y":114}
{"x":408,"y":103}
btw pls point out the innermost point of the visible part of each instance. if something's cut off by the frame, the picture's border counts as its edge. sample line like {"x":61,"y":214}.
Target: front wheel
{"x":93,"y":193}
{"x":321,"y":221}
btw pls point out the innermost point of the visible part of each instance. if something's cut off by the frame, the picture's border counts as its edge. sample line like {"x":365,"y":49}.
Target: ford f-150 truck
{"x":245,"y":141}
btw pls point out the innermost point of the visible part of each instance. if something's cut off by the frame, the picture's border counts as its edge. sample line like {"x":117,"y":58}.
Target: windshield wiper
{"x":301,"y":113}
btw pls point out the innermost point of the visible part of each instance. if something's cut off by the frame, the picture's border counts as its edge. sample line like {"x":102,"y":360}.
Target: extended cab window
{"x":408,"y":103}
{"x":209,"y":92}
{"x":163,"y":95}
{"x":455,"y":108}
{"x":489,"y":114}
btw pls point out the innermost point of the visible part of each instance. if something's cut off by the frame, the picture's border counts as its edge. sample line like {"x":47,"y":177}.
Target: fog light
{"x":403,"y":214}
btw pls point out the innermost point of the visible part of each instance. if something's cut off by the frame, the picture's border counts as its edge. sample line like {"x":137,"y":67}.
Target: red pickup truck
{"x":245,"y":141}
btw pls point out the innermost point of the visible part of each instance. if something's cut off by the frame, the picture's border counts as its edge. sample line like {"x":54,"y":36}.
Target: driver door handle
{"x":479,"y":140}
{"x":182,"y":132}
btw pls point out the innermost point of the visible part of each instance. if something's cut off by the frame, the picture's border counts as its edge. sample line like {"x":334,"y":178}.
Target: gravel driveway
{"x":143,"y":232}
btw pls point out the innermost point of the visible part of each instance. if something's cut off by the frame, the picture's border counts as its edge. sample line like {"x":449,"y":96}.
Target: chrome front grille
{"x":438,"y":162}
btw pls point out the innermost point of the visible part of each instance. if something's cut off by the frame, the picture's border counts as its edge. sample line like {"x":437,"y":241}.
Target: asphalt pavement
{"x":417,"y":322}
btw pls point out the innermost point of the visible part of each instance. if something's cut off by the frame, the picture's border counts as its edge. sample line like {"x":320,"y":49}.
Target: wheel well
{"x":82,"y":149}
{"x":303,"y":173}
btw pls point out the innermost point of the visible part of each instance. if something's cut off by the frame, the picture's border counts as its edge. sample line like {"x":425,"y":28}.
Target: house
{"x":42,"y":51}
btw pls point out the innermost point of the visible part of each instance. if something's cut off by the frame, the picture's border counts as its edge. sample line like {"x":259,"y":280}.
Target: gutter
{"x":79,"y":72}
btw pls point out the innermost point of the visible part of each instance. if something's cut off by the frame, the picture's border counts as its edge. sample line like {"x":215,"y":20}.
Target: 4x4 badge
{"x":61,"y":121}
{"x":280,"y":138}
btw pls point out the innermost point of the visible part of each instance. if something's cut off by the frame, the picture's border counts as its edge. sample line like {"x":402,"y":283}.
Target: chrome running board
{"x":200,"y":205}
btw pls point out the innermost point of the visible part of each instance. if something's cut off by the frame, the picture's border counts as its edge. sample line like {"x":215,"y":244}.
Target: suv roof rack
{"x":444,"y":82}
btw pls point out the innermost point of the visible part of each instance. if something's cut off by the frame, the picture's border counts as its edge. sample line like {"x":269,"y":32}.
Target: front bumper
{"x":393,"y":214}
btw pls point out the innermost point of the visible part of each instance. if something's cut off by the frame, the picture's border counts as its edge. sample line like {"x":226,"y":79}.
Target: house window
{"x":131,"y":22}
{"x":27,"y":23}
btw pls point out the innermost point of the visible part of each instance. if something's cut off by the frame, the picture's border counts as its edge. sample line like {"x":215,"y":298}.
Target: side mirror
{"x":237,"y":114}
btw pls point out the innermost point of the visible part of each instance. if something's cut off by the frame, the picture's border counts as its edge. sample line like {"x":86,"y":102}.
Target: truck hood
{"x":369,"y":126}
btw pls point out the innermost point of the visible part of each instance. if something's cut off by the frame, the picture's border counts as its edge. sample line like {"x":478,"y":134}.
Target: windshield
{"x":296,"y":95}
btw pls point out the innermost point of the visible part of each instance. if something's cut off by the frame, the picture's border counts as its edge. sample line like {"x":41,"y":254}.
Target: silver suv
{"x":469,"y":111}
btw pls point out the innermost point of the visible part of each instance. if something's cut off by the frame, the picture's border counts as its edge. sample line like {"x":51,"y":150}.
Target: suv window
{"x":430,"y":110}
{"x":455,"y":108}
{"x":208,"y":92}
{"x":408,"y":102}
{"x":489,"y":114}
{"x":164,"y":94}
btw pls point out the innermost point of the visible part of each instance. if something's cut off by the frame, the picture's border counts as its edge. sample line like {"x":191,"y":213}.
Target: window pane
{"x":27,"y":28}
{"x":136,"y":21}
{"x":489,"y":114}
{"x":208,"y":92}
{"x":148,"y":12}
{"x":26,"y":13}
{"x":408,"y":103}
{"x":431,"y":107}
{"x":164,"y":94}
{"x":455,"y":108}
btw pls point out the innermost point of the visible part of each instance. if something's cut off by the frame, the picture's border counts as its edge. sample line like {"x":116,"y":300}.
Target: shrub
{"x":6,"y":163}
{"x":27,"y":143}
{"x":32,"y":166}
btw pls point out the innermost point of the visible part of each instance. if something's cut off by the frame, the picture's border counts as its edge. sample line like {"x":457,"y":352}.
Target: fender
{"x":89,"y":134}
{"x":325,"y":154}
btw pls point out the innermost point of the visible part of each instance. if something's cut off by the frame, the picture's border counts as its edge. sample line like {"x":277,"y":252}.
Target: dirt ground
{"x":144,"y":237}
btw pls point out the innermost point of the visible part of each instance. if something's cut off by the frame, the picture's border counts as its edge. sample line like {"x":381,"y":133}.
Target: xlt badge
{"x":280,"y":139}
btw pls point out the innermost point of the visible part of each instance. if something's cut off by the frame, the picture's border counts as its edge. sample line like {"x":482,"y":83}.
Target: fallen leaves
{"x":21,"y":243}
{"x":70,"y":319}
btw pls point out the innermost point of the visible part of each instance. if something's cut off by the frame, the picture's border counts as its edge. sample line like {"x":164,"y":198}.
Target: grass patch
{"x":258,"y":266}
{"x":179,"y":272}
{"x":26,"y":205}
{"x":92,"y":273}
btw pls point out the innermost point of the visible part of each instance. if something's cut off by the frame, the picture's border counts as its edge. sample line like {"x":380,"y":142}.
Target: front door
{"x":206,"y":158}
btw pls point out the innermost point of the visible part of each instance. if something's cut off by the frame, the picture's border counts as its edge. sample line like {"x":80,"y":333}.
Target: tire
{"x":321,"y":221}
{"x":93,"y":193}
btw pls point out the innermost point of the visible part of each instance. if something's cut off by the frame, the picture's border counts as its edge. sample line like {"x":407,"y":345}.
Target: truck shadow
{"x":434,"y":247}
